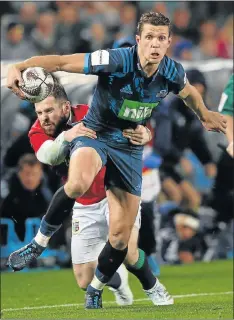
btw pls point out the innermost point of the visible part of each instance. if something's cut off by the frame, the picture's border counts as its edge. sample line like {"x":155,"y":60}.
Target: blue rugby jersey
{"x":124,"y":96}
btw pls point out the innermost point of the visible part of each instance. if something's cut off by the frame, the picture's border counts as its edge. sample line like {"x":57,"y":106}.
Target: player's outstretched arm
{"x":52,"y":63}
{"x":212,"y":121}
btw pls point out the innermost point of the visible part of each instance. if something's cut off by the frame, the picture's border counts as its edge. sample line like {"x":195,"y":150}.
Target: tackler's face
{"x":153,"y":42}
{"x":52,"y":114}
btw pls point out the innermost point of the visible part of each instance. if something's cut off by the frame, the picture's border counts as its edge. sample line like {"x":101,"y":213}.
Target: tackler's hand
{"x":139,"y":136}
{"x":79,"y":130}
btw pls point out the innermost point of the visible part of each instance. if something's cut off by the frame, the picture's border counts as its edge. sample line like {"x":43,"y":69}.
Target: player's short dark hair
{"x":27,"y":159}
{"x":154,"y":18}
{"x":58,"y":92}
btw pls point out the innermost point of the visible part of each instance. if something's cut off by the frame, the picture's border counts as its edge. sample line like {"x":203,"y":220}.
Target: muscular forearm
{"x":195,"y":102}
{"x":53,"y":152}
{"x":52,"y":63}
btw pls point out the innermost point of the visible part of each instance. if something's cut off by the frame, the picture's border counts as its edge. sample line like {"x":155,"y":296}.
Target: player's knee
{"x":119,"y":237}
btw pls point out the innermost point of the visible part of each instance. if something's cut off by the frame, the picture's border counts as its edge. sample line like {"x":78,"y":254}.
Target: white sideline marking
{"x":113,"y":302}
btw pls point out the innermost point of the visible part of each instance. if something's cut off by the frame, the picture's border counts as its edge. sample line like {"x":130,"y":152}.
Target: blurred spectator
{"x":178,"y":129}
{"x":89,"y":14}
{"x":161,"y":7}
{"x":208,"y":29}
{"x":98,"y":37}
{"x":41,"y":5}
{"x":43,"y":35}
{"x":128,"y":19}
{"x":181,"y":24}
{"x":179,"y":238}
{"x":225,"y":40}
{"x":28,"y":16}
{"x":111,"y":17}
{"x":183,"y":50}
{"x":69,"y":29}
{"x":207,"y":47}
{"x":29,"y":194}
{"x":14,"y":46}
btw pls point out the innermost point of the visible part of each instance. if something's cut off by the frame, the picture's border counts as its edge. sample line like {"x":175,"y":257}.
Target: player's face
{"x":52,"y":114}
{"x":153,"y":42}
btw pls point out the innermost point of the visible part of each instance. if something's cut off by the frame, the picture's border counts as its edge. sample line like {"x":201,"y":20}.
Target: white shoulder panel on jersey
{"x":100,"y":57}
{"x":222,"y":102}
{"x":53,"y":152}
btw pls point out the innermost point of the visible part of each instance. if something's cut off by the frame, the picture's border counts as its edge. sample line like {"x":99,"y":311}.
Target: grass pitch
{"x":201,"y":291}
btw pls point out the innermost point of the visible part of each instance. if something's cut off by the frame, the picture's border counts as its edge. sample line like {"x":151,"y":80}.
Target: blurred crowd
{"x":31,"y":28}
{"x":187,"y":196}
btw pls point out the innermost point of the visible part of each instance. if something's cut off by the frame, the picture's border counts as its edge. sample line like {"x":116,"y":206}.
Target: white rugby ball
{"x":38,"y":84}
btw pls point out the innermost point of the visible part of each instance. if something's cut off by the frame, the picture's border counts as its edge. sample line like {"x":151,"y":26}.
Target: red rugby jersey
{"x":37,"y":137}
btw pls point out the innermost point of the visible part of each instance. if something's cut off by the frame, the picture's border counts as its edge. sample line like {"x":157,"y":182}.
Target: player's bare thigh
{"x":84,"y":165}
{"x":123,"y":208}
{"x":84,"y":273}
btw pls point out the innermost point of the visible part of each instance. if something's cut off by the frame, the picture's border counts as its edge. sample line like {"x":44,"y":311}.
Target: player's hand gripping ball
{"x":38,"y":84}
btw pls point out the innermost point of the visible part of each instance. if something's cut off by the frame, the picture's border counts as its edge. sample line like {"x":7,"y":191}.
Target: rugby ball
{"x":38,"y":84}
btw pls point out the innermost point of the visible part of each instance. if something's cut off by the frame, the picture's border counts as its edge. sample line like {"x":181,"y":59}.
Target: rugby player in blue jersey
{"x":132,"y":82}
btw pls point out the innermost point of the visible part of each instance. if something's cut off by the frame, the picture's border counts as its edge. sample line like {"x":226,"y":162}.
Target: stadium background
{"x":202,"y":39}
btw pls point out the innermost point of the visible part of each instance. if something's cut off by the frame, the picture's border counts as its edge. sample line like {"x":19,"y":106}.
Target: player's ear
{"x":169,"y":41}
{"x":137,"y":39}
{"x":67,"y":107}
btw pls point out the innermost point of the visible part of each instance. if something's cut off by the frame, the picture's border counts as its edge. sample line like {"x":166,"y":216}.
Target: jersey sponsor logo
{"x":162,"y":94}
{"x":136,"y":111}
{"x":75,"y":226}
{"x":127,"y":89}
{"x":100,"y":57}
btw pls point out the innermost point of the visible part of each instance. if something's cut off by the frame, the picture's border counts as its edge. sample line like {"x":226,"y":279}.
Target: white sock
{"x":41,"y":239}
{"x":97,"y":284}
